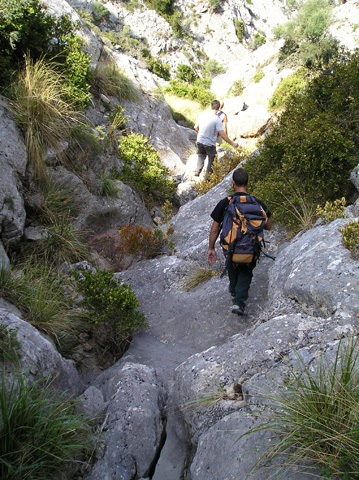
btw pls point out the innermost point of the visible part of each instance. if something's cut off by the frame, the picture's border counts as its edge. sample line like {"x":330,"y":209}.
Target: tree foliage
{"x":308,"y":155}
{"x":306,"y":35}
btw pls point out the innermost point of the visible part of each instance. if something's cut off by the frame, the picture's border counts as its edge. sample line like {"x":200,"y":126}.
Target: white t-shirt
{"x":209,"y":124}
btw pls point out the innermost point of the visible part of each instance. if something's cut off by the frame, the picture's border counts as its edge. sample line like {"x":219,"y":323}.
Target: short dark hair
{"x":215,"y":105}
{"x":240,"y":177}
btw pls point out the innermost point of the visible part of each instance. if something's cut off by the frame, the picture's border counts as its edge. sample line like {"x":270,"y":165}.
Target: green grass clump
{"x":9,"y":344}
{"x":38,"y":101}
{"x":37,"y":291}
{"x":39,"y":432}
{"x":110,"y":80}
{"x":314,"y":419}
{"x":199,"y":276}
{"x":61,"y":243}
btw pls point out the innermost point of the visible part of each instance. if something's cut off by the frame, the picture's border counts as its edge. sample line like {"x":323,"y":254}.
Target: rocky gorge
{"x":151,"y":404}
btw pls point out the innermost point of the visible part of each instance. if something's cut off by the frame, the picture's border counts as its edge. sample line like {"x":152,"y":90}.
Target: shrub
{"x":212,"y":68}
{"x":258,"y":40}
{"x":192,"y":92}
{"x":350,"y":237}
{"x":313,"y":144}
{"x":294,"y":84}
{"x":27,"y":28}
{"x":258,"y":76}
{"x":109,"y":302}
{"x":308,"y":28}
{"x":185,"y":74}
{"x":239,"y":29}
{"x":99,"y":12}
{"x":39,"y":431}
{"x":110,"y":80}
{"x":155,"y":66}
{"x":214,"y":5}
{"x":141,"y":242}
{"x":40,"y":109}
{"x":237,"y":88}
{"x":315,"y":416}
{"x":332,"y":210}
{"x":142,"y":169}
{"x":76,"y":71}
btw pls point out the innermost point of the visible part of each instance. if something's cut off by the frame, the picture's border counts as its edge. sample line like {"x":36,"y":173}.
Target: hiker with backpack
{"x":208,"y":126}
{"x":239,"y":221}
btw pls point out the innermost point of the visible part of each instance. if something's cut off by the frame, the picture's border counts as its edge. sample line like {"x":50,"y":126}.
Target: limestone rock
{"x":39,"y":357}
{"x":12,"y":166}
{"x":134,"y":422}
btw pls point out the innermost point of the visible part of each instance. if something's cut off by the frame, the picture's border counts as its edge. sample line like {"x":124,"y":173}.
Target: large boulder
{"x":38,"y":357}
{"x":101,"y":214}
{"x":13,"y":162}
{"x":222,"y":392}
{"x":317,"y":272}
{"x":134,"y":425}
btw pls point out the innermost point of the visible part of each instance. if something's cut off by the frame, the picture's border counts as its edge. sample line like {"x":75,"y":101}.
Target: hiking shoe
{"x":238,"y":309}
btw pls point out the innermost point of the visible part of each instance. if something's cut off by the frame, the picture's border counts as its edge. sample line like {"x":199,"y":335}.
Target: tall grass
{"x":37,"y":99}
{"x":61,"y":243}
{"x":38,"y":293}
{"x":39,"y":431}
{"x":110,"y":80}
{"x":315,"y":419}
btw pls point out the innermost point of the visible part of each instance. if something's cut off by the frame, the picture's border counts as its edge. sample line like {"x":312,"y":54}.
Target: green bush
{"x":307,"y":32}
{"x":294,"y":84}
{"x":332,"y":210}
{"x":314,"y":144}
{"x":259,"y":39}
{"x":192,"y":92}
{"x":142,"y":169}
{"x":156,"y":66}
{"x":110,"y":303}
{"x":76,"y":70}
{"x":185,"y":74}
{"x":214,"y":5}
{"x":39,"y":431}
{"x":99,"y":12}
{"x":239,"y":29}
{"x":26,"y":27}
{"x":350,"y":237}
{"x":258,"y":76}
{"x":212,"y":68}
{"x":237,"y":88}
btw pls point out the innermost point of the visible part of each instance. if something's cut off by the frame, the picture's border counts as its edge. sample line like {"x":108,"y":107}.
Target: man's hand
{"x":212,"y":257}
